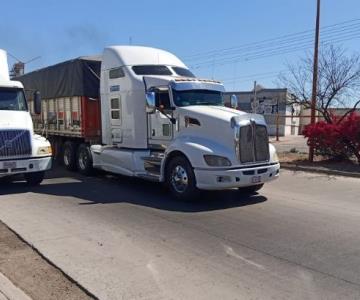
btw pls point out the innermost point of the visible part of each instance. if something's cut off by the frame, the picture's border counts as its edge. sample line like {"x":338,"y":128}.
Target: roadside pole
{"x":315,"y":77}
{"x":254,"y":108}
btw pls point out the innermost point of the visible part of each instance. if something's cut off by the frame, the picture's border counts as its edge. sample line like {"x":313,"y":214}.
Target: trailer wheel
{"x":84,"y":160}
{"x":69,"y":156}
{"x":250,"y":189}
{"x":34,"y":178}
{"x":180,"y":179}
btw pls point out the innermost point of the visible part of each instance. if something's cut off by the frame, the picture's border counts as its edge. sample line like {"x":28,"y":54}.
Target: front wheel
{"x":180,"y":179}
{"x":251,"y":189}
{"x":6,"y":179}
{"x":35,"y":178}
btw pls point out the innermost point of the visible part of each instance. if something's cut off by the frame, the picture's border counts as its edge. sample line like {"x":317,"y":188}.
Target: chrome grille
{"x":253,"y":143}
{"x":246,"y":144}
{"x":15,"y":143}
{"x":261,"y":143}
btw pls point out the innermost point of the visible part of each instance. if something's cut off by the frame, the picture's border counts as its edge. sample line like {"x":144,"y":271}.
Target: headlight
{"x":217,"y":161}
{"x":274,"y":157}
{"x":44,"y":150}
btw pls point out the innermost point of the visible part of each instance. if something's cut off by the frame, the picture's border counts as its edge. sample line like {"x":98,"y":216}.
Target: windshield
{"x":197,"y":97}
{"x":12,"y":99}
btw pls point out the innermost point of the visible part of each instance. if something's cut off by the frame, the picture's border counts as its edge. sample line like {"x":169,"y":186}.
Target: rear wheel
{"x":84,"y":160}
{"x":251,"y":189}
{"x":35,"y":178}
{"x":180,"y":179}
{"x":69,"y":156}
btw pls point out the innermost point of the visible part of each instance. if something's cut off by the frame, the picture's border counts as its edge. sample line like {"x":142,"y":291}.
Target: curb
{"x":9,"y":291}
{"x":85,"y":290}
{"x":295,"y":167}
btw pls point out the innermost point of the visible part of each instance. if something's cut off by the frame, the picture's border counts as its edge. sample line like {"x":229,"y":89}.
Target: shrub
{"x":338,"y":139}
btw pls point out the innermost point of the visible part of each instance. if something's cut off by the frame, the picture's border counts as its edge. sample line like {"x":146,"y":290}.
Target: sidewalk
{"x":8,"y":291}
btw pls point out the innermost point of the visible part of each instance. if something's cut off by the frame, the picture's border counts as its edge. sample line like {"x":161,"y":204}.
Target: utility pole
{"x":254,"y":106}
{"x":315,"y":76}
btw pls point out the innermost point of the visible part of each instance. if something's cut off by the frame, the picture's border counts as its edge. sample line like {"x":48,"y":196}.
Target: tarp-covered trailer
{"x":70,"y":115}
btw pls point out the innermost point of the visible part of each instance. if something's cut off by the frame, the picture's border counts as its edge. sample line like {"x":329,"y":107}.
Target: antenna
{"x":18,"y":68}
{"x":31,"y":60}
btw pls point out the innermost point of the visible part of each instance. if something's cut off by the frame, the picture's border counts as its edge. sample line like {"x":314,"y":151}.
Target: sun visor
{"x":197,"y":85}
{"x":153,"y":81}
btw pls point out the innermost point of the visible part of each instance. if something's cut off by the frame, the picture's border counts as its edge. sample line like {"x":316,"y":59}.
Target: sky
{"x":196,"y":31}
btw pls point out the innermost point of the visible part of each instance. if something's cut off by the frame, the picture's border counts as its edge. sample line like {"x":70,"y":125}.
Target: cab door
{"x":159,"y":123}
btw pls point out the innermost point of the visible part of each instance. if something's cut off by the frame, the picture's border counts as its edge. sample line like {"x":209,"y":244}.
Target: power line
{"x":292,"y":44}
{"x":258,"y":76}
{"x":284,"y":44}
{"x":326,"y":42}
{"x":251,"y":75}
{"x":279,"y":50}
{"x":13,"y":56}
{"x":292,"y":35}
{"x":296,"y":39}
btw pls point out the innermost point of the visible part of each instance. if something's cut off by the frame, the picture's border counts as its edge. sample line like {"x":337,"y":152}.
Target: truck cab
{"x":161,"y":123}
{"x":21,"y":151}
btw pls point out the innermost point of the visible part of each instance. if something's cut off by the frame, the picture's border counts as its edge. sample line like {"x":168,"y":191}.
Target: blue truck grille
{"x":254,"y":144}
{"x":14,"y":143}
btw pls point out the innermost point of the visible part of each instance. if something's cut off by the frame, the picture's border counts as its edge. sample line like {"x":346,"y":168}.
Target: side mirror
{"x":234,"y":101}
{"x":150,"y":102}
{"x":37,"y":103}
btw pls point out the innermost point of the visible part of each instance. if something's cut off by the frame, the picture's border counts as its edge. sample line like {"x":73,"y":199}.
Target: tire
{"x":251,"y":189}
{"x":180,"y":179}
{"x":6,"y":179}
{"x":84,"y":160}
{"x":69,"y":156}
{"x":35,"y":178}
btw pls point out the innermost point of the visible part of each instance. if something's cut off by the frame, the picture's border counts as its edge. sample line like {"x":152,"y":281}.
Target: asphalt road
{"x":121,"y":238}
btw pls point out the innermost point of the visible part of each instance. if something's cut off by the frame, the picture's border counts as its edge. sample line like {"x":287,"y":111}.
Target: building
{"x":306,"y":113}
{"x":274,"y":104}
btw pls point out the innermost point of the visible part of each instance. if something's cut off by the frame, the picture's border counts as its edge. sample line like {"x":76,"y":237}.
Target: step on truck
{"x":139,"y":111}
{"x":22,"y":152}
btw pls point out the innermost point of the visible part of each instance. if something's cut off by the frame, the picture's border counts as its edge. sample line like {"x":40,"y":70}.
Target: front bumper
{"x":218,"y":179}
{"x":28,"y":165}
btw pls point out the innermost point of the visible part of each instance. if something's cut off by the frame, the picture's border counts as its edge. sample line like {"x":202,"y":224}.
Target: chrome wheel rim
{"x":179,"y":179}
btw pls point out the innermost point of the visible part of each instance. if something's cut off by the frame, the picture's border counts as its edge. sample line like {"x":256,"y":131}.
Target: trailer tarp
{"x":77,"y":77}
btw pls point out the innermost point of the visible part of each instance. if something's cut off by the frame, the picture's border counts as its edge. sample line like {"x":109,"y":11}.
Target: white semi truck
{"x":158,"y":122}
{"x":21,"y":151}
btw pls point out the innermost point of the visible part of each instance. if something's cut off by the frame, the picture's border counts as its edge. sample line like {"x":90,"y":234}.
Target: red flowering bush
{"x":338,"y":139}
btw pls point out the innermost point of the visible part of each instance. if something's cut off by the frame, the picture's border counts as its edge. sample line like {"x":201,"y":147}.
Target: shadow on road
{"x":109,"y":189}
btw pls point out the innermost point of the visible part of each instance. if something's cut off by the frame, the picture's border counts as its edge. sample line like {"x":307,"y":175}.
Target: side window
{"x":115,"y":108}
{"x":162,"y":98}
{"x":116,"y":73}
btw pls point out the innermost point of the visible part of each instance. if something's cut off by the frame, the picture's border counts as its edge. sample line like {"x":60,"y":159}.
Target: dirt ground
{"x":32,"y":273}
{"x":323,"y":163}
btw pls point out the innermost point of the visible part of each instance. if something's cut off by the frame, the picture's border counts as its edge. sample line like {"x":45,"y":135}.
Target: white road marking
{"x":230,"y":251}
